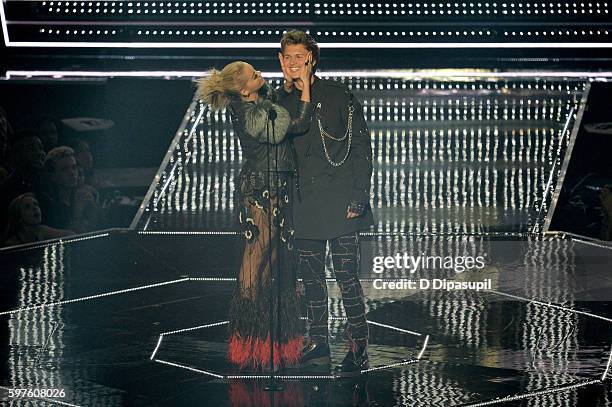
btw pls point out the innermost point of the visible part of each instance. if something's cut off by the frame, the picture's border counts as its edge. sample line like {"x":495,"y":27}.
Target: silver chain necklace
{"x":348,"y":133}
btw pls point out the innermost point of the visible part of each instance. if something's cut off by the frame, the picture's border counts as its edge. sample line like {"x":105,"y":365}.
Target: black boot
{"x":315,"y":354}
{"x":354,"y":362}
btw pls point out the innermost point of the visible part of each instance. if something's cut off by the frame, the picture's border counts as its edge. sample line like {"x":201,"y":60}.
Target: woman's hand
{"x":288,"y":85}
{"x":306,"y":70}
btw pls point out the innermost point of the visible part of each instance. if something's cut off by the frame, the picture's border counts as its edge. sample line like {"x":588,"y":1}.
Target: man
{"x":334,"y":161}
{"x":65,"y":204}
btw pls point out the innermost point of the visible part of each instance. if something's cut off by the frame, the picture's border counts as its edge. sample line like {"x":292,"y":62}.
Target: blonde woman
{"x":265,"y":201}
{"x":24,"y":222}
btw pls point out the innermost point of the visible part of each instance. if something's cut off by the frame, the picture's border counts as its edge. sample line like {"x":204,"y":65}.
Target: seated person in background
{"x":24,"y":223}
{"x":65,"y":204}
{"x":27,"y":158}
{"x":85,"y":160}
{"x":47,"y":132}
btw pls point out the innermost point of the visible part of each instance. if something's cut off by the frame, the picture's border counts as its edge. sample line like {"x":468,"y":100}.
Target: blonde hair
{"x":220,"y":87}
{"x":55,"y":155}
{"x":14,"y":218}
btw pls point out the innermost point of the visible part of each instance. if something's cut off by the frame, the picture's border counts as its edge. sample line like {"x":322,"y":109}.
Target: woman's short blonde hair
{"x":220,"y":87}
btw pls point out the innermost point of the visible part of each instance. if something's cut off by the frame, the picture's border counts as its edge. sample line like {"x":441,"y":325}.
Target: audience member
{"x":65,"y":204}
{"x":27,"y":159}
{"x":24,"y":222}
{"x":85,"y":160}
{"x":48,"y":133}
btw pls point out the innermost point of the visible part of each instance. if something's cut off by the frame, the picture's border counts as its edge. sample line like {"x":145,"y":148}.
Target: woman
{"x":24,"y":219}
{"x":266,"y":184}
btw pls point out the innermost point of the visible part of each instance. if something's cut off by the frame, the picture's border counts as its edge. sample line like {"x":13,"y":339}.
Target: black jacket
{"x":264,"y":139}
{"x":326,"y":190}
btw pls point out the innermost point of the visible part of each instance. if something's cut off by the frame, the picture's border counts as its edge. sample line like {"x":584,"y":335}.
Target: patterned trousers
{"x":345,"y":258}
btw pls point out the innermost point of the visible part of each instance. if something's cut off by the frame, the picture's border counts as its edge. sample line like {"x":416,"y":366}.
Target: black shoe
{"x":353,"y":363}
{"x":315,"y":354}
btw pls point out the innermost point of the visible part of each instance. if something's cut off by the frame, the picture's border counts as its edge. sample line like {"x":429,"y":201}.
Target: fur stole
{"x":256,"y":114}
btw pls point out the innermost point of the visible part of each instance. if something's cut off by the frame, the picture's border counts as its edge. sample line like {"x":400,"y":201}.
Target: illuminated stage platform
{"x":475,"y":111}
{"x":132,"y":318}
{"x":138,"y":317}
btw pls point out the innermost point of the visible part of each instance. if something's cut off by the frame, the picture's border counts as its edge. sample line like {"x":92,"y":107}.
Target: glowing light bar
{"x":193,"y":369}
{"x":534,"y":393}
{"x":331,"y":45}
{"x":91,"y":297}
{"x":406,"y":362}
{"x":383,"y":73}
{"x":394,"y":328}
{"x":159,"y":341}
{"x":195,"y":328}
{"x":605,"y":373}
{"x":423,"y":349}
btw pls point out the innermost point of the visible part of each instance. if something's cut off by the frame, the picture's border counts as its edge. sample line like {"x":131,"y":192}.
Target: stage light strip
{"x":4,"y":25}
{"x":332,"y":45}
{"x":390,"y":73}
{"x":279,"y":377}
{"x":171,"y":177}
{"x":548,"y":188}
{"x":548,"y":304}
{"x":91,"y":297}
{"x":190,"y":368}
{"x":195,"y":328}
{"x":151,"y":232}
{"x":599,"y":245}
{"x":59,"y":402}
{"x":605,"y":373}
{"x":305,"y":377}
{"x":406,"y":362}
{"x":394,"y":328}
{"x":52,"y":242}
{"x":423,"y":349}
{"x":212,"y":278}
{"x":535,"y":393}
{"x":159,"y":341}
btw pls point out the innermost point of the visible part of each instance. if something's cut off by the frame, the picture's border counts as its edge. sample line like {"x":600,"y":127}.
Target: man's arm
{"x":360,"y":157}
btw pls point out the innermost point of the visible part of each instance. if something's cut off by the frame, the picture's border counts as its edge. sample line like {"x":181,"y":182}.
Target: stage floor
{"x":87,"y":316}
{"x":462,"y":167}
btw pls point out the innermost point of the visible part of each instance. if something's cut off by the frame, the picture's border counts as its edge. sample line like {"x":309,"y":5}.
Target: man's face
{"x":66,"y":172}
{"x":295,"y":57}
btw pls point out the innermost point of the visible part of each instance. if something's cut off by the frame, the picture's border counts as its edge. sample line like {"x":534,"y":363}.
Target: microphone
{"x":272,"y":114}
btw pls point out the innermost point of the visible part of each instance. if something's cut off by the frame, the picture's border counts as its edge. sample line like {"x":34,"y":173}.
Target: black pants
{"x":345,"y":258}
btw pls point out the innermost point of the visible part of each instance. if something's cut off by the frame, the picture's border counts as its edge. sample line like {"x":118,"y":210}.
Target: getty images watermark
{"x":412,"y":264}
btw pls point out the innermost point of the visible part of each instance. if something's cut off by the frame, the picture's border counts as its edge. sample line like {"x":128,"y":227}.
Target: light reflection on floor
{"x":482,"y":345}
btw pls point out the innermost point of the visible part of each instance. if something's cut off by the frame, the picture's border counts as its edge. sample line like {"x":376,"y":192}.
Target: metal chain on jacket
{"x":348,"y":133}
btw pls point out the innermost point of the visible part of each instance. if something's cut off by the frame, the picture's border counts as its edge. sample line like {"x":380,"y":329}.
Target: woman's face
{"x":252,"y":79}
{"x":30,"y":211}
